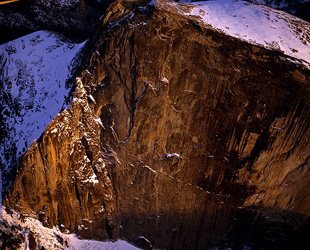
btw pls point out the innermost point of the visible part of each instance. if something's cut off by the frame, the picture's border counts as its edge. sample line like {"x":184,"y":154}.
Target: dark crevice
{"x":89,"y":153}
{"x":109,"y":227}
{"x":260,"y":145}
{"x":131,"y":106}
{"x":131,"y":103}
{"x":77,"y":194}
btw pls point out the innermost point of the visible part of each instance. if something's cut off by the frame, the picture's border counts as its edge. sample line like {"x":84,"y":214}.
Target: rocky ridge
{"x":177,"y":136}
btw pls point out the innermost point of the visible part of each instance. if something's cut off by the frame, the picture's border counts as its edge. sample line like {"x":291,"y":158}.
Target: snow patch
{"x":34,"y":70}
{"x":92,"y":98}
{"x":256,"y":24}
{"x":93,"y":179}
{"x":152,"y":170}
{"x":54,"y":238}
{"x":54,"y":131}
{"x":171,"y":155}
{"x":164,"y":79}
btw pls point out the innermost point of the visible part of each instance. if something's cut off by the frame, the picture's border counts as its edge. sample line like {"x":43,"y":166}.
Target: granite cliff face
{"x":177,"y":136}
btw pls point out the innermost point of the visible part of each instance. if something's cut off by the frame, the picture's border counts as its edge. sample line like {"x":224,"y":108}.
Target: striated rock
{"x":177,"y":136}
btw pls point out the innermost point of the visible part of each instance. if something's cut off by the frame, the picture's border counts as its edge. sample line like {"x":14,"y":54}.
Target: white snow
{"x":49,"y":238}
{"x":171,"y":155}
{"x":92,"y":98}
{"x":96,"y":245}
{"x":142,"y":237}
{"x":54,"y":131}
{"x":34,"y":72}
{"x":151,"y":169}
{"x":92,"y":179}
{"x":164,"y":79}
{"x":256,"y":24}
{"x":37,"y":70}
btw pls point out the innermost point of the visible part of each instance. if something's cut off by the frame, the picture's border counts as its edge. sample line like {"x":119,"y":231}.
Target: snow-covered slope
{"x":256,"y":24}
{"x":33,"y":74}
{"x":47,"y":237}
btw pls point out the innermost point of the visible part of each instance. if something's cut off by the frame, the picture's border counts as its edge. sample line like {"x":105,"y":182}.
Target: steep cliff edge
{"x":177,"y":136}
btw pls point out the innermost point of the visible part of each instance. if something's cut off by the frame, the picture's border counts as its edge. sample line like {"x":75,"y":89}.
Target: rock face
{"x":177,"y":136}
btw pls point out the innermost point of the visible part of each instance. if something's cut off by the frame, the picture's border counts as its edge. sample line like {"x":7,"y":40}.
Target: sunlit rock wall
{"x":175,"y":129}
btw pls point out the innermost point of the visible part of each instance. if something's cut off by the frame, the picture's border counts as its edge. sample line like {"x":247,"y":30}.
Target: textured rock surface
{"x":173,"y":128}
{"x":66,"y":164}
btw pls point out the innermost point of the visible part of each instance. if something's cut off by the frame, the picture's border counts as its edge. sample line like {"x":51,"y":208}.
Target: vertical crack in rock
{"x":131,"y":103}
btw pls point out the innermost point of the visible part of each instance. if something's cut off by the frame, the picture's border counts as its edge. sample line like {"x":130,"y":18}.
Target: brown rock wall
{"x":63,"y":177}
{"x":173,"y":127}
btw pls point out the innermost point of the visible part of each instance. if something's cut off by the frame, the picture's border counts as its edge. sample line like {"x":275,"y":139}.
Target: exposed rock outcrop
{"x":176,"y":136}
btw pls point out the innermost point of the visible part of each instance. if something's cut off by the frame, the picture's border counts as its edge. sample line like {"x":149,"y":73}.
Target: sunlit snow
{"x":34,"y":70}
{"x":49,"y":238}
{"x":256,"y":24}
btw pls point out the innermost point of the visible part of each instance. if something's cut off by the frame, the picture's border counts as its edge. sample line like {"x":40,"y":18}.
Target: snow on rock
{"x":92,"y":245}
{"x":52,"y":238}
{"x":34,"y":70}
{"x":171,"y":155}
{"x":253,"y":23}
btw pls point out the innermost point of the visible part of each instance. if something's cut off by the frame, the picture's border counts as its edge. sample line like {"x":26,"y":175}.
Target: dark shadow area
{"x":268,"y":229}
{"x":219,"y":228}
{"x":76,"y":21}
